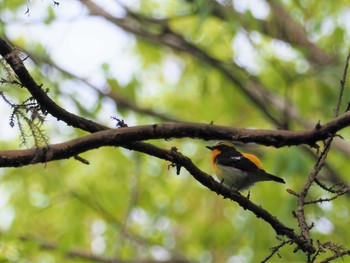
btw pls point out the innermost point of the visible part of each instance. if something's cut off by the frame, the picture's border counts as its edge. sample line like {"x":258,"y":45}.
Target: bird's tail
{"x":274,"y":178}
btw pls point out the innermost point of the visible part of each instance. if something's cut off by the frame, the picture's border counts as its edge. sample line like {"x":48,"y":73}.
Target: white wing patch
{"x":236,"y":158}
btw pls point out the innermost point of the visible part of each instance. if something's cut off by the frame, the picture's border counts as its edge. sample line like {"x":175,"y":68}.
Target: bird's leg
{"x":234,"y":189}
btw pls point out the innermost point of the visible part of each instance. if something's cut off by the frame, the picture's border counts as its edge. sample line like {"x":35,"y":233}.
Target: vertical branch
{"x":305,"y":228}
{"x":300,"y":213}
{"x":342,"y":86}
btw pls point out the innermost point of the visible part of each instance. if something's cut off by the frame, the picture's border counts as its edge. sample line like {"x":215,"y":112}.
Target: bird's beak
{"x":210,"y":147}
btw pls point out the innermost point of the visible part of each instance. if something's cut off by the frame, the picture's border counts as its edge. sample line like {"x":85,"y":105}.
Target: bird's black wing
{"x":242,"y":163}
{"x":239,"y":162}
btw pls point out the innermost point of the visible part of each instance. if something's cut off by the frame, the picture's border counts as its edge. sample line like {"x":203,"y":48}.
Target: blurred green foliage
{"x":126,"y":205}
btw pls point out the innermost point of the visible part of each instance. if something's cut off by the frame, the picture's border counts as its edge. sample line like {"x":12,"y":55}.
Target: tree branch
{"x":250,"y":87}
{"x":126,"y":136}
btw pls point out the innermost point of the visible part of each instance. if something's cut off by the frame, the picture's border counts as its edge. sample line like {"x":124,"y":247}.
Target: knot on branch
{"x":174,"y":151}
{"x":120,"y":122}
{"x":318,"y":126}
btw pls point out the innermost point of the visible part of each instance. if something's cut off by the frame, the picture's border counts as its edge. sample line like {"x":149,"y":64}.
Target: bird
{"x":238,"y":171}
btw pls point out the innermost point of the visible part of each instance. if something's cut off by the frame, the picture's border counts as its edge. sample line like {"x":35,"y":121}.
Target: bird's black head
{"x":222,"y":146}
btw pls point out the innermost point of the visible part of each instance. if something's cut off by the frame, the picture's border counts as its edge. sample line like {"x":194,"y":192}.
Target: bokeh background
{"x":255,"y":64}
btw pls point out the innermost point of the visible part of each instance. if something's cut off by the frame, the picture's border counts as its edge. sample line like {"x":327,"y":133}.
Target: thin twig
{"x":275,"y":250}
{"x":322,"y":200}
{"x":342,"y":86}
{"x":333,"y":189}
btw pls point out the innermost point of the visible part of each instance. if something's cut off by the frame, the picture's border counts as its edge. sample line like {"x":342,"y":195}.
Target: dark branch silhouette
{"x":133,"y":137}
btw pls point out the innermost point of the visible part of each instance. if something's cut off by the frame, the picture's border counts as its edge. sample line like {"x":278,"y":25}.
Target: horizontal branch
{"x":130,"y":135}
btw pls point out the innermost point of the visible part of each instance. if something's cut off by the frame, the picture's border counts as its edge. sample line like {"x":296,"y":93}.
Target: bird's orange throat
{"x":215,"y":153}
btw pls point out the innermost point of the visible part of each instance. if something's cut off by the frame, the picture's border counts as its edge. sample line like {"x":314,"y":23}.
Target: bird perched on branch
{"x":238,"y":171}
